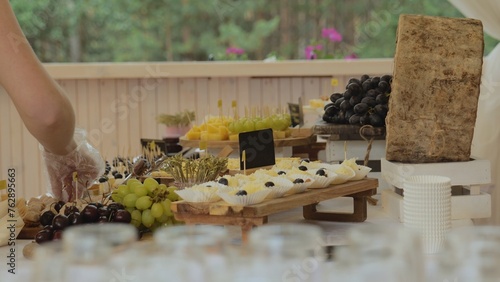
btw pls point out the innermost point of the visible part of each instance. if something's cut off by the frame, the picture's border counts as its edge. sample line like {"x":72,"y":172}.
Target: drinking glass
{"x":470,"y":254}
{"x":83,"y":253}
{"x":50,"y":264}
{"x":388,"y":253}
{"x":287,"y":252}
{"x":195,"y":252}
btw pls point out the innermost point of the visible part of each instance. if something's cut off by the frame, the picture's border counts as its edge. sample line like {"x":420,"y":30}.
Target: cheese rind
{"x":435,"y":89}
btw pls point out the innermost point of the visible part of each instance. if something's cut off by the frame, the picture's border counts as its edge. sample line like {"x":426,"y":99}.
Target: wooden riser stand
{"x":221,"y":213}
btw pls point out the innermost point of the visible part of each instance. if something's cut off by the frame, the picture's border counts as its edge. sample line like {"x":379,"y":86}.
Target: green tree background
{"x":187,"y":30}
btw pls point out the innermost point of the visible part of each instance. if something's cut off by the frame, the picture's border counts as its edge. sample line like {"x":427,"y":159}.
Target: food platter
{"x":221,"y":213}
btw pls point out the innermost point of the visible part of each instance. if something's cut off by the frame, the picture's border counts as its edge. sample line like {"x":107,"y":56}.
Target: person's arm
{"x":42,"y":105}
{"x":46,"y":112}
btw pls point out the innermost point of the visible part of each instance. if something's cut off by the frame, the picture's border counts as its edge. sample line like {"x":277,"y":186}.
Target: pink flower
{"x":351,"y":56}
{"x":309,"y":51}
{"x":235,"y":50}
{"x":332,"y":34}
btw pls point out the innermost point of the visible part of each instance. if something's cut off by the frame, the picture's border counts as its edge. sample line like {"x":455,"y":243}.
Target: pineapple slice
{"x":193,"y":135}
{"x":214,"y":137}
{"x":212,"y":128}
{"x":224,"y":132}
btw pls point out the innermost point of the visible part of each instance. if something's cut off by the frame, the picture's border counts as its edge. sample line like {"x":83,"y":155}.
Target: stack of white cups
{"x":427,"y":209}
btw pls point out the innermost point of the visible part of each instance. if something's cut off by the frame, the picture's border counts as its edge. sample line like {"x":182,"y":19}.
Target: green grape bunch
{"x":148,"y":203}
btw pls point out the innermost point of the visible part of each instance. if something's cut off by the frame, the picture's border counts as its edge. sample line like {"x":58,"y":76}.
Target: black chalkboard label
{"x":259,"y":148}
{"x":296,"y":113}
{"x":301,"y":112}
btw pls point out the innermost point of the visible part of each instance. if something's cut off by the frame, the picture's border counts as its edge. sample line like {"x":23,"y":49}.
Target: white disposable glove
{"x":60,"y":170}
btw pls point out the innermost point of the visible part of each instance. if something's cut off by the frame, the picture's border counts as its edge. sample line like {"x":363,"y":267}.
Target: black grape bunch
{"x":364,"y":102}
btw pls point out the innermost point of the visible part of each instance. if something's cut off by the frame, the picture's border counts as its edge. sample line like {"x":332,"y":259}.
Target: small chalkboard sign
{"x":258,"y":147}
{"x":296,"y":113}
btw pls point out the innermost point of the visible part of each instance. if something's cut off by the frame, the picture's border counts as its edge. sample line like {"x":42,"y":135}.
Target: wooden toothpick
{"x":345,"y":150}
{"x":244,"y":160}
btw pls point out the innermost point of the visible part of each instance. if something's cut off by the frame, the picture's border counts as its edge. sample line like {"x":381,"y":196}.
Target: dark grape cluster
{"x":365,"y":101}
{"x":54,"y":221}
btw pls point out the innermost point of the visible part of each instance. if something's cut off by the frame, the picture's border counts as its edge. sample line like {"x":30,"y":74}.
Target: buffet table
{"x":334,"y":234}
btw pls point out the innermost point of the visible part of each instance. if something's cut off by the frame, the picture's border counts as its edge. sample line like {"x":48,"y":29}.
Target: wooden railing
{"x":117,"y":103}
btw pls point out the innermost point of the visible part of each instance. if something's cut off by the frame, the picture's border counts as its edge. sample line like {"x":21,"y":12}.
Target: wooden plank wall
{"x":118,"y":112}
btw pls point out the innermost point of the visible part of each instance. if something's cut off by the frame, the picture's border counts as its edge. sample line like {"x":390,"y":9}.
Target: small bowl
{"x":246,"y":200}
{"x":199,"y":194}
{"x":280,"y":188}
{"x":321,"y":181}
{"x":361,"y":172}
{"x":344,"y":173}
{"x":300,"y":187}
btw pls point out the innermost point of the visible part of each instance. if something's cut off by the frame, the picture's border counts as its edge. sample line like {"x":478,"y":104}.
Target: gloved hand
{"x":85,"y":160}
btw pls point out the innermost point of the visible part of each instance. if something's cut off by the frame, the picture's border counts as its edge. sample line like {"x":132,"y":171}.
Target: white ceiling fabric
{"x":486,"y":142}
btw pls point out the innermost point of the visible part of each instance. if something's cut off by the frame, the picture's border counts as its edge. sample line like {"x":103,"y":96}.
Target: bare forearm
{"x":42,"y":105}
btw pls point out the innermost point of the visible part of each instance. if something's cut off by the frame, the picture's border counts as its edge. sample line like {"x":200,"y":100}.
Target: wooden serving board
{"x":222,"y":213}
{"x":299,"y":137}
{"x":28,"y":233}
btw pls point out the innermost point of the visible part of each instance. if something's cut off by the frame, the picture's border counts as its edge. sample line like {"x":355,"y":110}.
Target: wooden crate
{"x":338,"y":135}
{"x":470,"y":204}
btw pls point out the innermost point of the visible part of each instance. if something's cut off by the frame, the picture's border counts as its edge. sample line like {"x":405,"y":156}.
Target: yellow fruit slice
{"x":193,"y":135}
{"x":224,"y":132}
{"x":195,"y":129}
{"x":212,"y":128}
{"x":214,"y":137}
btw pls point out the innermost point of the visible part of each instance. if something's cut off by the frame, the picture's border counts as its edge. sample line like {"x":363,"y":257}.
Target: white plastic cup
{"x":427,"y":209}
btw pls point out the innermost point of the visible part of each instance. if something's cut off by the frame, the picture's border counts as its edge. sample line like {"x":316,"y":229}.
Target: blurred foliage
{"x":186,"y":30}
